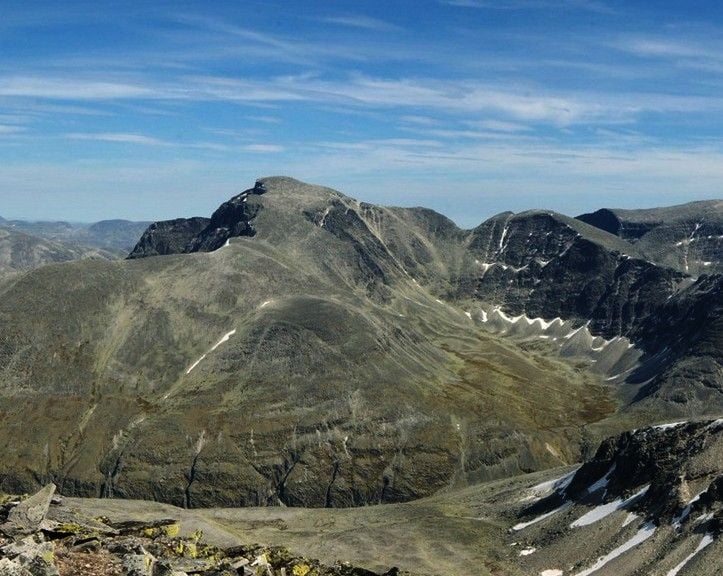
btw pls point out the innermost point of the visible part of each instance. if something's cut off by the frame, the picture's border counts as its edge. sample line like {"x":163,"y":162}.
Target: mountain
{"x":305,"y":349}
{"x":688,"y":237}
{"x":301,"y":365}
{"x":20,"y":251}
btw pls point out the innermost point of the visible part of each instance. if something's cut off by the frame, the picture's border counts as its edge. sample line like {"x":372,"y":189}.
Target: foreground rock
{"x":42,"y":537}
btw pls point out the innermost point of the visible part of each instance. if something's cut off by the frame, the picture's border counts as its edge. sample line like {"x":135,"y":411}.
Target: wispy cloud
{"x":117,"y":137}
{"x":362,"y":22}
{"x":587,"y":5}
{"x":508,"y":105}
{"x":69,"y":89}
{"x":11,"y":129}
{"x":263,"y":148}
{"x":500,"y":126}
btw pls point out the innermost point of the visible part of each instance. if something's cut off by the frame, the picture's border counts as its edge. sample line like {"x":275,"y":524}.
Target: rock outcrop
{"x":168,"y":237}
{"x":648,"y":502}
{"x":43,"y":540}
{"x":184,"y":235}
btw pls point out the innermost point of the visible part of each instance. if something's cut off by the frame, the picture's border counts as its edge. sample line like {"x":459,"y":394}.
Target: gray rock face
{"x":681,"y":463}
{"x":27,"y":516}
{"x":182,"y":236}
{"x":168,"y":237}
{"x":546,"y":265}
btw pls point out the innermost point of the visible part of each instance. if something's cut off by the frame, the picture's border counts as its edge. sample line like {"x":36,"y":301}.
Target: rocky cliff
{"x":648,"y":502}
{"x":232,"y":219}
{"x":688,"y":237}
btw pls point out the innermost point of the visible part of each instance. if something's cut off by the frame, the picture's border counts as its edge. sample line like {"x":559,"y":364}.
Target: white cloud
{"x":121,"y":138}
{"x":584,"y":5}
{"x":263,"y":148}
{"x":69,"y":89}
{"x":362,"y":22}
{"x":11,"y":129}
{"x":499,"y":126}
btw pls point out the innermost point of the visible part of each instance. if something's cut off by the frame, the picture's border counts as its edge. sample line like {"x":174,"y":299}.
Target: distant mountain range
{"x":25,"y":245}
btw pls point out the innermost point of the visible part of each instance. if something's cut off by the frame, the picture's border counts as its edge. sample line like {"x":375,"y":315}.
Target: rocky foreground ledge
{"x":40,"y":536}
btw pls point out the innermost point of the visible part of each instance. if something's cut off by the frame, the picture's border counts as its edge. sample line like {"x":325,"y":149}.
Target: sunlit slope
{"x":303,"y":365}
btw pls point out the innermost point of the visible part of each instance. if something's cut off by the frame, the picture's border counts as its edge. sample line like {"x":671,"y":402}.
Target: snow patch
{"x":641,"y":536}
{"x":707,"y":539}
{"x":223,"y":339}
{"x":504,"y":233}
{"x":604,"y":510}
{"x":522,"y":525}
{"x":685,"y":512}
{"x":602,"y":482}
{"x":629,"y":519}
{"x":669,"y":425}
{"x":704,"y":518}
{"x":552,"y":572}
{"x":544,"y":488}
{"x":527,"y":551}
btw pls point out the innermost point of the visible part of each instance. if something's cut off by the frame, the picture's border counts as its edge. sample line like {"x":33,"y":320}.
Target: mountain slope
{"x":301,"y":365}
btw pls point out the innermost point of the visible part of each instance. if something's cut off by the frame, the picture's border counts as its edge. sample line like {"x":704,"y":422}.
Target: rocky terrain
{"x":41,"y":536}
{"x":648,"y":502}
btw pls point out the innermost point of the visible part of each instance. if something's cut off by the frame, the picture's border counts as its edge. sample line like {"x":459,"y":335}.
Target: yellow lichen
{"x":301,"y":570}
{"x":172,"y":530}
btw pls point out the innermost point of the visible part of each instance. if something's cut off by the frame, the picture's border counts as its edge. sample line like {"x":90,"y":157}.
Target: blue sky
{"x":153,"y":110}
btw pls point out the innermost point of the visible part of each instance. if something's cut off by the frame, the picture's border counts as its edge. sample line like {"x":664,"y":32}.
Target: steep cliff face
{"x":546,"y":265}
{"x":184,"y":235}
{"x":168,"y":237}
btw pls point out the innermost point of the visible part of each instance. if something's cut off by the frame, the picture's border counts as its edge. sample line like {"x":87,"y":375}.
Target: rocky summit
{"x":250,"y":372}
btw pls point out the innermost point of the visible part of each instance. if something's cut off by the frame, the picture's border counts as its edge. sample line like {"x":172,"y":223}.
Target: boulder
{"x":29,"y":514}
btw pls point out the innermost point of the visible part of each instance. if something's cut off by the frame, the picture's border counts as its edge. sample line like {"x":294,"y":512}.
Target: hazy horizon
{"x":151,"y":111}
{"x":466,"y":222}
